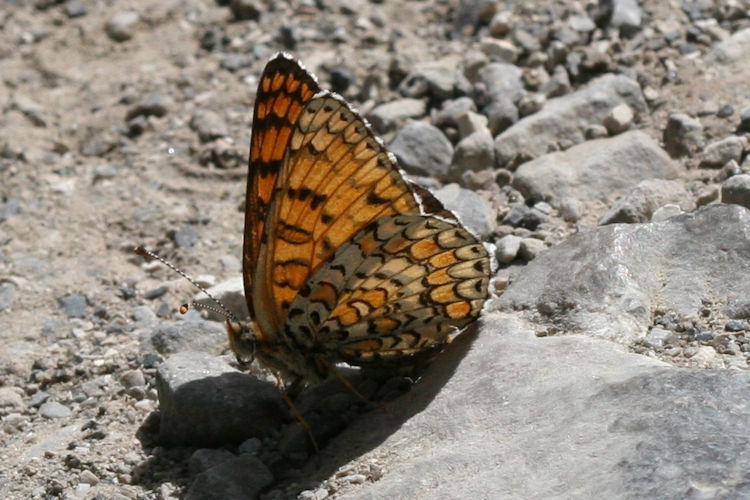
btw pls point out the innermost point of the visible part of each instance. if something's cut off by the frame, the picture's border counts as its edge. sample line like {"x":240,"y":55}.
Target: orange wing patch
{"x":283,"y":91}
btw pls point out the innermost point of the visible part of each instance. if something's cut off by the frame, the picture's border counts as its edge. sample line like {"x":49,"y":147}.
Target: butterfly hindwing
{"x":403,"y":284}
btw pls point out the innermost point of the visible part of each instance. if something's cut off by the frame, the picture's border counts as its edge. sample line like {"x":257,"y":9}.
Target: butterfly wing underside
{"x":336,"y":179}
{"x":402,"y":286}
{"x":283,"y":91}
{"x":343,"y":258}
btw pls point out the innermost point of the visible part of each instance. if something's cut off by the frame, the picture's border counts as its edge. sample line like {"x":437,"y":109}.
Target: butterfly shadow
{"x":369,"y":430}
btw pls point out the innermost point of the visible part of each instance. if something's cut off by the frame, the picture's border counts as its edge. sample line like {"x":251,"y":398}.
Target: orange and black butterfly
{"x":343,"y":258}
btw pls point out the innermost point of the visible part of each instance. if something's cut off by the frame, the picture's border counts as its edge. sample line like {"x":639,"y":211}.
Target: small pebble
{"x":121,"y":26}
{"x":619,"y":119}
{"x":508,"y":248}
{"x":53,"y":409}
{"x":530,"y":248}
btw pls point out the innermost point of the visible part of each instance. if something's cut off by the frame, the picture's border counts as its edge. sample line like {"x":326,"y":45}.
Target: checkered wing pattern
{"x":344,"y":259}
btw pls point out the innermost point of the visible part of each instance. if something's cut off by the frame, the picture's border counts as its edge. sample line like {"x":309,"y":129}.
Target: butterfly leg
{"x":293,"y":390}
{"x":345,"y":382}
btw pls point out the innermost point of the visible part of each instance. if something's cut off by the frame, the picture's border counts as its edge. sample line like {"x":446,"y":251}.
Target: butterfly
{"x":344,"y":260}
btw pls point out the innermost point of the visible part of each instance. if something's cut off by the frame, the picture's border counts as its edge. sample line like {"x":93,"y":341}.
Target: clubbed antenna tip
{"x":139,"y":250}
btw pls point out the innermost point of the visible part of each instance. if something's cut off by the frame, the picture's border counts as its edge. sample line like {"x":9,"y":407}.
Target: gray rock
{"x":470,"y":122}
{"x":75,"y":8}
{"x":186,"y":236}
{"x":9,"y":208}
{"x":501,"y":23}
{"x":531,"y":103}
{"x":683,"y":135}
{"x":250,"y":446}
{"x":500,"y":115}
{"x":209,"y":125}
{"x":246,"y":10}
{"x":499,"y":50}
{"x":386,"y":116}
{"x":231,"y":264}
{"x":643,"y":200}
{"x":665,"y":212}
{"x":203,"y":459}
{"x":452,"y":110}
{"x":53,"y":409}
{"x":526,"y":40}
{"x":88,"y":477}
{"x":744,"y":120}
{"x":240,"y":478}
{"x":204,"y":402}
{"x":234,"y":62}
{"x":619,"y":119}
{"x":596,"y":132}
{"x":733,"y":49}
{"x":231,"y":293}
{"x":530,"y":248}
{"x":475,"y":214}
{"x":718,"y":153}
{"x":482,"y":179}
{"x":144,"y":316}
{"x":535,"y":77}
{"x":637,"y":425}
{"x":730,"y":169}
{"x":156,"y":292}
{"x":10,"y":398}
{"x":626,"y":16}
{"x":7,"y":295}
{"x":422,"y":149}
{"x":707,"y":195}
{"x":594,"y":170}
{"x":187,"y":335}
{"x":525,"y":217}
{"x":132,"y":378}
{"x":606,"y":282}
{"x":736,"y":190}
{"x":507,"y":248}
{"x":558,"y":84}
{"x":74,"y":305}
{"x":500,"y":82}
{"x":436,"y":80}
{"x":738,"y":307}
{"x":563,"y":120}
{"x":156,"y":104}
{"x":121,"y":26}
{"x":474,"y":152}
{"x":31,"y":109}
{"x":581,"y":23}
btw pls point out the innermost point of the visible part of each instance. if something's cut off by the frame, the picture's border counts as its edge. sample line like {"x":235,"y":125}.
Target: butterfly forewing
{"x":335,"y":180}
{"x":283,"y":91}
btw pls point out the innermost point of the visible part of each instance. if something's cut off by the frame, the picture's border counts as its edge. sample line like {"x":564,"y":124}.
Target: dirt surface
{"x":82,"y":185}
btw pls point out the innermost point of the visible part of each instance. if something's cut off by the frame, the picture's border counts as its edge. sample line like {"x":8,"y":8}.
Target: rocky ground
{"x":601,"y":146}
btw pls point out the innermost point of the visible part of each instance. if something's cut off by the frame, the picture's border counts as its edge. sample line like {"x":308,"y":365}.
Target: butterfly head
{"x":242,"y":339}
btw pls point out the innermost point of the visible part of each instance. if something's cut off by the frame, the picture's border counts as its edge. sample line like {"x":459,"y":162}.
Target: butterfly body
{"x":343,"y":258}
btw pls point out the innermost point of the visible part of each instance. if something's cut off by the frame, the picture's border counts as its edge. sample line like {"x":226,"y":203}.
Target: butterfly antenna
{"x":139,"y":250}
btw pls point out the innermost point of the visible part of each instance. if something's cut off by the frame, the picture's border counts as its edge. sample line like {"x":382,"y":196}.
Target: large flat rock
{"x":609,"y":281}
{"x":595,"y":170}
{"x":512,"y":415}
